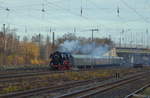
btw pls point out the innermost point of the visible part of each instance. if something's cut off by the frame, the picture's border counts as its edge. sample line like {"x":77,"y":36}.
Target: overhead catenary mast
{"x":81,"y":10}
{"x":93,"y":30}
{"x":147,"y":37}
{"x":118,"y":11}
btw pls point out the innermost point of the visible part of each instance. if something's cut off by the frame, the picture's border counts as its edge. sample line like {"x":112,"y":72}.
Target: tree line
{"x":36,"y":50}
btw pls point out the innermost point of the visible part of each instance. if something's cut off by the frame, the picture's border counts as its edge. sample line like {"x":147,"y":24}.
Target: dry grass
{"x":61,"y":78}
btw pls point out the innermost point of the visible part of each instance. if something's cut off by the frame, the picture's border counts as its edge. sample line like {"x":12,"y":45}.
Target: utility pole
{"x":50,"y":29}
{"x":26,"y":29}
{"x":147,"y":37}
{"x":4,"y":30}
{"x":74,"y":30}
{"x":92,"y":34}
{"x":39,"y":40}
{"x":53,"y":43}
{"x":92,"y":44}
{"x":4,"y":40}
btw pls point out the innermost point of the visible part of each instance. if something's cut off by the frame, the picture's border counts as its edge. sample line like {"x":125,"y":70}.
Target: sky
{"x":64,"y":16}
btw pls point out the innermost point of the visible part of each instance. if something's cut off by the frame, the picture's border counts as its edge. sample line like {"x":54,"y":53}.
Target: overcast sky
{"x":65,"y":15}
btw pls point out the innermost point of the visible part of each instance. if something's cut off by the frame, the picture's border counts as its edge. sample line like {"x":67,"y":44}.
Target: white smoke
{"x":100,"y":50}
{"x":69,"y":46}
{"x":87,"y":48}
{"x":75,"y":46}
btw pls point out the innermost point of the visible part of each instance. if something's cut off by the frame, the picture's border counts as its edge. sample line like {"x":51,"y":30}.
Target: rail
{"x":86,"y":93}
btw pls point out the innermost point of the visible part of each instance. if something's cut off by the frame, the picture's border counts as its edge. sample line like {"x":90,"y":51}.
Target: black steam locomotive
{"x":61,"y":61}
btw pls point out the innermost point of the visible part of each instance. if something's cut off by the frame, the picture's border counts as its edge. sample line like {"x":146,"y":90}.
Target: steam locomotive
{"x":67,"y":61}
{"x":61,"y":61}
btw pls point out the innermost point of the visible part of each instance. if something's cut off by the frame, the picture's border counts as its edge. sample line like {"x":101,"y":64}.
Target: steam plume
{"x":76,"y":47}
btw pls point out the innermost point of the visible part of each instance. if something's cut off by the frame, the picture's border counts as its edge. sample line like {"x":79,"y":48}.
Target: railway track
{"x":13,"y":76}
{"x":18,"y":79}
{"x":52,"y":89}
{"x":135,"y":93}
{"x":34,"y":77}
{"x":92,"y":91}
{"x":6,"y":72}
{"x":16,"y":76}
{"x":34,"y":73}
